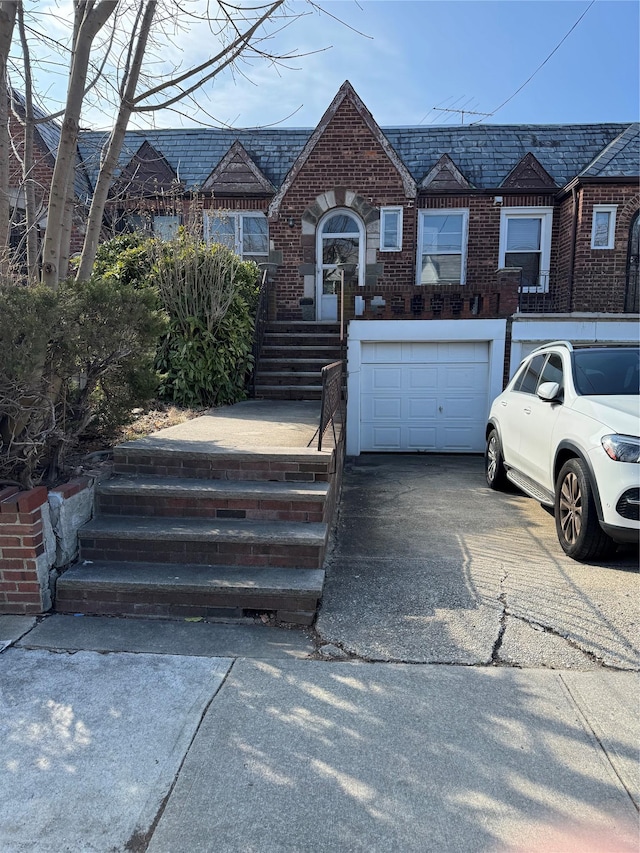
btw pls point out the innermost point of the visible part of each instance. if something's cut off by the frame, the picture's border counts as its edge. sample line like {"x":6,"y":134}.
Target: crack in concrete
{"x":502,"y":598}
{"x":547,"y":629}
{"x":589,"y":727}
{"x":141,"y":838}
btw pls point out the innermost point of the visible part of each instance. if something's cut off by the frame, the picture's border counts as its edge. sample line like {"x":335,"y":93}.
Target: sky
{"x":412,"y":60}
{"x":405,"y":57}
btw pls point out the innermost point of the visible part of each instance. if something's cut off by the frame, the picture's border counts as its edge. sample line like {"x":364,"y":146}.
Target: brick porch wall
{"x":30,"y":550}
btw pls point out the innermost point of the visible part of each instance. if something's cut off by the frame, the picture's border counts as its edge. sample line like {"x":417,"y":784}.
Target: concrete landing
{"x":251,"y":425}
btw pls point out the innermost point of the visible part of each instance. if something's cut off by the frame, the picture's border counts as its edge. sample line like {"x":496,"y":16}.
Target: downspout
{"x":574,"y":239}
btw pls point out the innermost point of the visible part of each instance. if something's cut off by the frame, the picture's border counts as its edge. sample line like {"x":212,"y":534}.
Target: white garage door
{"x":424,"y":396}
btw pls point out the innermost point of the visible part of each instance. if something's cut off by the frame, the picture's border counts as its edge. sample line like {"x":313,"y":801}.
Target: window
{"x":390,"y":229}
{"x":245,"y":233}
{"x":525,"y":242}
{"x":442,"y":246}
{"x":528,"y":382}
{"x":164,"y":226}
{"x":552,"y":370}
{"x":603,"y":226}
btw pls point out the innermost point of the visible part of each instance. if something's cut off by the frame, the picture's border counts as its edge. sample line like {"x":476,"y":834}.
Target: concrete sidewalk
{"x":233,"y":744}
{"x":299,"y":756}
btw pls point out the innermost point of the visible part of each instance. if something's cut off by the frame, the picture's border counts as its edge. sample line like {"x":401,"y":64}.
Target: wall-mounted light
{"x":291,"y":222}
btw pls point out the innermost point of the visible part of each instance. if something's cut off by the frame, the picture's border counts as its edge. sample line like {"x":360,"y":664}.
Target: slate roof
{"x":195,"y":152}
{"x":49,"y":133}
{"x":620,"y":157}
{"x":485,"y":154}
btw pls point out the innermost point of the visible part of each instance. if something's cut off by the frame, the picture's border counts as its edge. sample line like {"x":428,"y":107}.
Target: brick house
{"x":449,"y":251}
{"x":45,"y":145}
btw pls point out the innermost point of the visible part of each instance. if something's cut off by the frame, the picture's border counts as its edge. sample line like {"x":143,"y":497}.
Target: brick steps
{"x":319,"y":353}
{"x":193,"y":498}
{"x":184,"y":590}
{"x":292,"y":357}
{"x":288,"y":392}
{"x":285,"y":365}
{"x":186,"y":527}
{"x":197,"y":460}
{"x":204,"y":541}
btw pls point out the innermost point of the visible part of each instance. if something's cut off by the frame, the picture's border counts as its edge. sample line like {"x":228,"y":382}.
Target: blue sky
{"x":419,"y":54}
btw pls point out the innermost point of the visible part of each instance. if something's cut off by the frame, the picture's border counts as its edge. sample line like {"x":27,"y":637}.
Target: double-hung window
{"x":442,"y":246}
{"x":390,"y":229}
{"x":525,"y":242}
{"x":247,"y":233}
{"x":603,"y":227}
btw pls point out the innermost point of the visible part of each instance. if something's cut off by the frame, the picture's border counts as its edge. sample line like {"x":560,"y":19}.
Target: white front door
{"x":424,"y":396}
{"x":340,"y":248}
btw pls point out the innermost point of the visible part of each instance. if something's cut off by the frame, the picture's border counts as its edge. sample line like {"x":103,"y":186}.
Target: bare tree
{"x":120,"y":70}
{"x":187,"y":82}
{"x":7,"y":21}
{"x":89,"y":18}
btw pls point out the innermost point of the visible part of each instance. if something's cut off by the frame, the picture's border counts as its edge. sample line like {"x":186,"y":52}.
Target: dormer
{"x":237,"y":174}
{"x":445,"y":176}
{"x":528,"y":174}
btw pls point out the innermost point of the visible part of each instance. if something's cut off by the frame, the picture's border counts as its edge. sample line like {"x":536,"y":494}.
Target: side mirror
{"x":549,"y":392}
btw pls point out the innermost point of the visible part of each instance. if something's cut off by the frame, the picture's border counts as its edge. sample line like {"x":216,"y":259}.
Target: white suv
{"x":565,"y":431}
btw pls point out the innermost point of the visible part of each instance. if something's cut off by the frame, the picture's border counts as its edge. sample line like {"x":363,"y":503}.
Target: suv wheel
{"x":494,"y":463}
{"x":577,"y":525}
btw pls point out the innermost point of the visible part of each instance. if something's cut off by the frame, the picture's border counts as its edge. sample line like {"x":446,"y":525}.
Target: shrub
{"x":210,"y":296}
{"x":71,"y":360}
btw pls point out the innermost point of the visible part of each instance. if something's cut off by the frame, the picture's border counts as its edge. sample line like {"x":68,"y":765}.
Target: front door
{"x":340,"y":247}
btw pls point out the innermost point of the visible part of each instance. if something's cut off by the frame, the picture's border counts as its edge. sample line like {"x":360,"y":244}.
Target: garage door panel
{"x":421,"y":407}
{"x":420,"y":438}
{"x":460,"y":407}
{"x":421,"y":377}
{"x":382,"y":378}
{"x":381,"y":353}
{"x":421,"y":352}
{"x":382,"y":438}
{"x":467,"y":377}
{"x":439,"y":403}
{"x":383,"y":408}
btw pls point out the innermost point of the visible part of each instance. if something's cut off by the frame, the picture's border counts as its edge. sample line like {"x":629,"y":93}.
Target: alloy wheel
{"x":492,"y":458}
{"x":570,"y":508}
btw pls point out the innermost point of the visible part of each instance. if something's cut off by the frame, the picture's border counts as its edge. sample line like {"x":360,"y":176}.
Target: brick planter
{"x":32,"y":548}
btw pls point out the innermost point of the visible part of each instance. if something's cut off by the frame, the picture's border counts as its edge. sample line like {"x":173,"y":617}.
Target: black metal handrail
{"x":331,"y":401}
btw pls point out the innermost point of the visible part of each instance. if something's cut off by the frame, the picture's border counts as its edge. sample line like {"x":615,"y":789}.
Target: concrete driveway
{"x":428,"y":565}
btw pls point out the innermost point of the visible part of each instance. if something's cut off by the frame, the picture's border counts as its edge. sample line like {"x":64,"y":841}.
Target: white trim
{"x":373,"y":331}
{"x":529,"y":333}
{"x":546,"y":216}
{"x":320,"y":266}
{"x":397,"y":247}
{"x":424,"y":214}
{"x":611,"y":209}
{"x":237,"y":217}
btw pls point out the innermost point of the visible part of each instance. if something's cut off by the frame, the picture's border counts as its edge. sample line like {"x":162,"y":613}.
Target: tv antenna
{"x":462,"y":112}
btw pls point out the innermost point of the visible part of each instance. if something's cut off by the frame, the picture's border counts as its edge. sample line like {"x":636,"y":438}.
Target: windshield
{"x":607,"y":371}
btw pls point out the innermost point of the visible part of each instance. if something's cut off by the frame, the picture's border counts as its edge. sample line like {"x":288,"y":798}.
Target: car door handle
{"x":527,"y":411}
{"x":503,"y":403}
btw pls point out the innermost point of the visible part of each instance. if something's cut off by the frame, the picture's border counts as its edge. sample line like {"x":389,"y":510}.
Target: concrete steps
{"x":205,"y":541}
{"x":187,"y":527}
{"x":184,"y":590}
{"x":192,"y":498}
